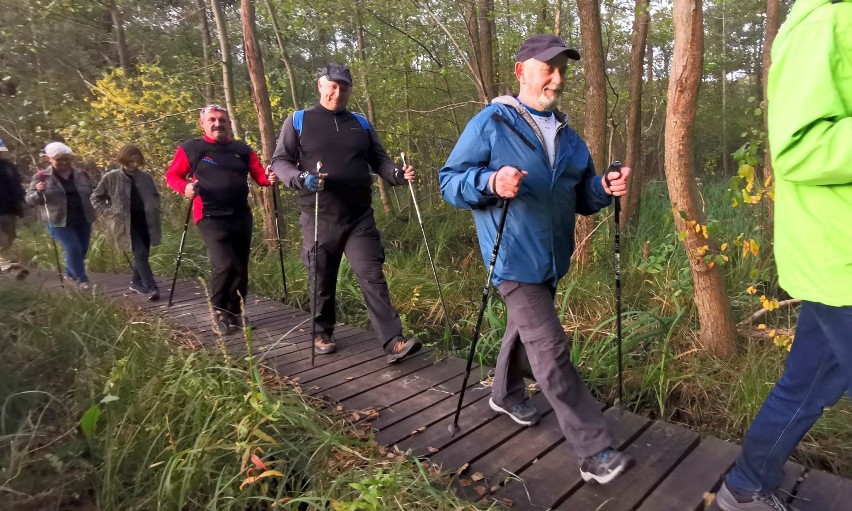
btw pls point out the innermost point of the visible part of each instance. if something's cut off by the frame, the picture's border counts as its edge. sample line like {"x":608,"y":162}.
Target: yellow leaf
{"x":751,"y":290}
{"x":477,"y":476}
{"x":724,"y":247}
{"x":755,"y":248}
{"x":761,"y":327}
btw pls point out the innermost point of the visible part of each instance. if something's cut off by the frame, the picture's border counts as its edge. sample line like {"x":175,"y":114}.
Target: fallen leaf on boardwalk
{"x":465,"y":481}
{"x":301,"y":330}
{"x":419,"y":430}
{"x":477,"y":476}
{"x":370,"y":413}
{"x":339,"y":408}
{"x":480,"y":490}
{"x":507,"y":502}
{"x":382,"y":450}
{"x":295,"y":378}
{"x":355,"y":416}
{"x":462,"y":468}
{"x":350,"y":378}
{"x":494,"y":488}
{"x":433,"y":450}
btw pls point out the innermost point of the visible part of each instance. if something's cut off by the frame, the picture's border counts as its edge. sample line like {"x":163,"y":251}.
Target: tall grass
{"x":166,"y":427}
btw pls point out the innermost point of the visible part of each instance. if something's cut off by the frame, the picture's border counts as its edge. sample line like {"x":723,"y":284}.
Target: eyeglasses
{"x":213,"y":108}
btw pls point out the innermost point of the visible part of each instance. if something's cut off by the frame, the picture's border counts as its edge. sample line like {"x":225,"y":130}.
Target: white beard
{"x":548,"y":104}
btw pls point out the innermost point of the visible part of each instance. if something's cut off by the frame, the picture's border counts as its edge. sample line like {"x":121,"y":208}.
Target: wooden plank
{"x":388,"y":373}
{"x":421,"y":403}
{"x":490,"y":438}
{"x":700,"y":472}
{"x":372,"y":362}
{"x":821,"y":491}
{"x":555,"y":475}
{"x":434,"y":418}
{"x":299,"y":360}
{"x":656,"y":451}
{"x":404,"y":388}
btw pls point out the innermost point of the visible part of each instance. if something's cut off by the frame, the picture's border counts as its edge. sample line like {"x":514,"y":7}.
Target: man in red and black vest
{"x":348,"y":149}
{"x":212,"y":171}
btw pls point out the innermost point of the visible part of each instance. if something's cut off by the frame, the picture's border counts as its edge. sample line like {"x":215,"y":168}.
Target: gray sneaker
{"x":605,"y":466}
{"x":522,"y":413}
{"x":402,"y":347}
{"x":733,"y":501}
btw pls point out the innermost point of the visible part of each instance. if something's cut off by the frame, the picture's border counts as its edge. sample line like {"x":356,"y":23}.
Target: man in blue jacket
{"x":521,"y":148}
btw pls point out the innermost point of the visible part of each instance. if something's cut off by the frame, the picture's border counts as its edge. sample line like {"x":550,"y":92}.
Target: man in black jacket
{"x":11,"y":207}
{"x":347,"y":148}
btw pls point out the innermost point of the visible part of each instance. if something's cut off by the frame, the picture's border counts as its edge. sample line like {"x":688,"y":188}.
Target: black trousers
{"x":228,"y":240}
{"x":362,"y":245}
{"x":140,"y":243}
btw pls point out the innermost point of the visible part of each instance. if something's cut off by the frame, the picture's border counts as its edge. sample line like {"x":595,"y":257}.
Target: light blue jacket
{"x":538,"y":238}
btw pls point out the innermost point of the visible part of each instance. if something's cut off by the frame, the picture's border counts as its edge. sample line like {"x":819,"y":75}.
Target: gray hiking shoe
{"x":605,"y":466}
{"x":222,"y":325}
{"x":402,"y":347}
{"x":729,"y":500}
{"x":522,"y":413}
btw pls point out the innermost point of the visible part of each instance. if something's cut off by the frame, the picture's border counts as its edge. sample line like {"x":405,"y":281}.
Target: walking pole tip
{"x":453,"y":428}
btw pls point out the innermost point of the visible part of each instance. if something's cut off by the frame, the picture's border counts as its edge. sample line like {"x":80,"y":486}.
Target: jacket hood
{"x":799,"y":12}
{"x":512,"y":101}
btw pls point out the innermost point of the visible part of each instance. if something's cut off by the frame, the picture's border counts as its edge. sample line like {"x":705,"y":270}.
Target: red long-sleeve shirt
{"x":208,"y":152}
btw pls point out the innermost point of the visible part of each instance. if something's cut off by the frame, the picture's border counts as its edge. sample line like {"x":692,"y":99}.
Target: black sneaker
{"x":729,"y":500}
{"x":138,"y":288}
{"x":401,"y":348}
{"x":153,"y":294}
{"x":324,"y":344}
{"x":239,"y":321}
{"x":605,"y":466}
{"x":522,"y":413}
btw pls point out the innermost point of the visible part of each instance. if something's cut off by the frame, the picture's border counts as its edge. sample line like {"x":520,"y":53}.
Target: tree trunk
{"x":227,"y":67}
{"x":285,"y":59}
{"x":371,"y":116}
{"x":120,"y":41}
{"x":594,"y":130}
{"x":773,"y":22}
{"x":633,"y":158}
{"x":260,"y":97}
{"x":206,"y":44}
{"x":557,"y":16}
{"x":487,"y":33}
{"x":711,"y":300}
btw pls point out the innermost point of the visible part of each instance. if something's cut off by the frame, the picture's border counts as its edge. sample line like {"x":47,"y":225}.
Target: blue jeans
{"x":75,"y":242}
{"x":819,"y":371}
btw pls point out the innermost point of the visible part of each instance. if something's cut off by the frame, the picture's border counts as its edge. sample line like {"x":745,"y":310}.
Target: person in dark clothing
{"x":65,"y":190}
{"x":11,"y":207}
{"x":131,"y":202}
{"x":212,"y":171}
{"x":347,"y":148}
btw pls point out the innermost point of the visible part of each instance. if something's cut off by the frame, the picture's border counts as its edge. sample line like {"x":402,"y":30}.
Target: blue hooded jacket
{"x":538,"y":238}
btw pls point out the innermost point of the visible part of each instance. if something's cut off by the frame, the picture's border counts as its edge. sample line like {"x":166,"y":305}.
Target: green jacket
{"x":111,"y":199}
{"x":810,"y":136}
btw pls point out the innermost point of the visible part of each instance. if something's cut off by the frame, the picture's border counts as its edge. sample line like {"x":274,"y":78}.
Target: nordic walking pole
{"x":129,"y":262}
{"x":454,"y":427}
{"x":180,"y":249}
{"x":50,"y":230}
{"x":278,"y":236}
{"x":429,"y":253}
{"x":316,"y":253}
{"x":616,"y":167}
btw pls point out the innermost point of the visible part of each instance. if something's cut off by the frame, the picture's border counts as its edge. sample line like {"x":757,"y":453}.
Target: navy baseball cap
{"x":544,"y":47}
{"x":337,"y":73}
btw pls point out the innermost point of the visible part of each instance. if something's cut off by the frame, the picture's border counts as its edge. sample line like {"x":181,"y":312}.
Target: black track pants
{"x":228,"y":240}
{"x":362,"y":245}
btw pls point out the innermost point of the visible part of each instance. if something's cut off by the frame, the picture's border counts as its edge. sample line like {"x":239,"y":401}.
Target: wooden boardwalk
{"x":495,"y":460}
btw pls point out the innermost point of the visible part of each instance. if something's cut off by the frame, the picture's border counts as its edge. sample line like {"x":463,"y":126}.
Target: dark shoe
{"x":222,"y":325}
{"x":153,"y":294}
{"x":138,"y":288}
{"x":729,"y":500}
{"x":522,"y":413}
{"x":324,"y":344}
{"x":605,"y":466}
{"x":84,"y":285}
{"x":400,"y":348}
{"x":240,"y":321}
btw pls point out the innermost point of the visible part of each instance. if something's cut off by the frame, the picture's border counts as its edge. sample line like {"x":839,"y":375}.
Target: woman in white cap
{"x":64,"y":191}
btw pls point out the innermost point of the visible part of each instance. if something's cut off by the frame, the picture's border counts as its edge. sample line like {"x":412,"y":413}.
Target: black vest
{"x":221,"y":172}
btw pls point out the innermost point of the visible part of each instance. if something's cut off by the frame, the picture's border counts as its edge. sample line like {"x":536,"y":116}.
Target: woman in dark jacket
{"x":130,"y":201}
{"x":64,"y":192}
